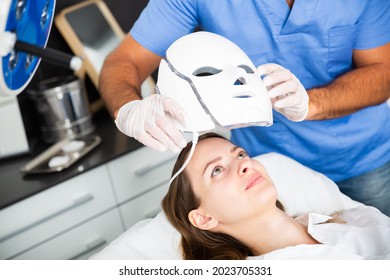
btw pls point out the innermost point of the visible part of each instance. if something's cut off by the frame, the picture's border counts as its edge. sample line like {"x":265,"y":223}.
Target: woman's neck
{"x":273,"y":231}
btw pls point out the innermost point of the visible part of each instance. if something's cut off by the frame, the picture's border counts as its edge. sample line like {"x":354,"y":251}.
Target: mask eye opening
{"x":206,"y":71}
{"x":247,"y":69}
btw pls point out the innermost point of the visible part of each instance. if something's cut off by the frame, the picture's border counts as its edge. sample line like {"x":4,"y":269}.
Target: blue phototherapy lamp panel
{"x":24,"y":31}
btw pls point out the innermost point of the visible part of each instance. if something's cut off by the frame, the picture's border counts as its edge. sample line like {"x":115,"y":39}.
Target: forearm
{"x":360,"y":88}
{"x":119,"y":83}
{"x":123,"y":72}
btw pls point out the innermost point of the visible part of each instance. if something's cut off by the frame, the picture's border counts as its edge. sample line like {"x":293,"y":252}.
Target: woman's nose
{"x":244,"y":166}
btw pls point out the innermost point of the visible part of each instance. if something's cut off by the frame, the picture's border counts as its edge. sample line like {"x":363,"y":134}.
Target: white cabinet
{"x":140,"y":181}
{"x":53,"y":211}
{"x":140,"y":171}
{"x":80,"y":216}
{"x":80,"y":242}
{"x":143,"y":207}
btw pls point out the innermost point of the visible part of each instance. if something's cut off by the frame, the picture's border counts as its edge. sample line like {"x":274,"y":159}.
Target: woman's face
{"x":230,"y":185}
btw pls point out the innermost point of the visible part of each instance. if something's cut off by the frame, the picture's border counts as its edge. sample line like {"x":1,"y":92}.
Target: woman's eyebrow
{"x":219,"y":158}
{"x":211,"y":162}
{"x":234,"y":148}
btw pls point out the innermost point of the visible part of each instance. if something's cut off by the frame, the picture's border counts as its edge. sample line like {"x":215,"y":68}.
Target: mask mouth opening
{"x":243,"y":95}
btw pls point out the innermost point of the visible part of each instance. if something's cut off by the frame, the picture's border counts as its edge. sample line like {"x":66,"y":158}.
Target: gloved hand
{"x":288,"y":95}
{"x":152,"y":122}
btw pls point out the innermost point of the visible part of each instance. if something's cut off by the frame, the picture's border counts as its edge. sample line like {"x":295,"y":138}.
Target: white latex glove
{"x":152,"y":122}
{"x":288,"y":95}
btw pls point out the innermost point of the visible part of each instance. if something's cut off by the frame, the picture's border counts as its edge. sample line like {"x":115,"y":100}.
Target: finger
{"x":173,"y":108}
{"x":160,"y":135}
{"x":288,"y":101}
{"x":278,"y":76}
{"x":268,"y":68}
{"x":168,"y":125}
{"x":290,"y":86}
{"x":146,"y":139}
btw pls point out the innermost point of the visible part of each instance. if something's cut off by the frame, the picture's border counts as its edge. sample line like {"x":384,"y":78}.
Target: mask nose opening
{"x":240,"y":81}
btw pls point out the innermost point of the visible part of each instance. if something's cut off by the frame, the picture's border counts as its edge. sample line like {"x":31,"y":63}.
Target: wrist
{"x":126,"y":109}
{"x":126,"y":106}
{"x":312,"y":113}
{"x":314,"y":110}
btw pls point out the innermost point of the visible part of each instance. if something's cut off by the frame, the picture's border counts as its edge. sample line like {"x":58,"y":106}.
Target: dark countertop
{"x":14,"y":186}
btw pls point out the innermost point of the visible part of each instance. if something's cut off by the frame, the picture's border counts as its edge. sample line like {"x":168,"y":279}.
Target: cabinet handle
{"x":77,"y":202}
{"x":90,"y":247}
{"x":150,"y":167}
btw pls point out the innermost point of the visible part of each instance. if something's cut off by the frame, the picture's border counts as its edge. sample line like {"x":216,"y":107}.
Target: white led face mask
{"x":215,"y":83}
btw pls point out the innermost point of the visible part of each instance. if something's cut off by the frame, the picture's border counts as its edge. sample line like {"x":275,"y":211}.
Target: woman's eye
{"x":216,"y":171}
{"x":242,"y":155}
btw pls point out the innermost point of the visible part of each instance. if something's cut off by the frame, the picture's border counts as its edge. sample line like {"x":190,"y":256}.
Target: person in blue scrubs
{"x":338,"y":50}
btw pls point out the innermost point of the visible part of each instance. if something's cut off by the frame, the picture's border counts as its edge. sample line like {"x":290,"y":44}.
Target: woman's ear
{"x":201,"y":220}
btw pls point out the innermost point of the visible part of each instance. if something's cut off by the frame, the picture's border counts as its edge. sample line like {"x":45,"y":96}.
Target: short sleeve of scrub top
{"x":162,"y":22}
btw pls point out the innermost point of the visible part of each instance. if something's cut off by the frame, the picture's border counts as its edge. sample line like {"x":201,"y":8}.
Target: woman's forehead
{"x":209,"y":149}
{"x":214,"y":145}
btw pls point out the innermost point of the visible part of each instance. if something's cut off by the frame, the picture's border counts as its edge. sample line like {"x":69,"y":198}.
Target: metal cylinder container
{"x":63,"y":108}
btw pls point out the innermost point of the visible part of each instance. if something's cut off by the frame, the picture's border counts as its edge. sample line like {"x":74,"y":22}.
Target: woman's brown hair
{"x":197,"y":244}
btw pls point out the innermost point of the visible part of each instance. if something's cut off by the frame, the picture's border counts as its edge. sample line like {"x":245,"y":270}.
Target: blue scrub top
{"x":314,"y":40}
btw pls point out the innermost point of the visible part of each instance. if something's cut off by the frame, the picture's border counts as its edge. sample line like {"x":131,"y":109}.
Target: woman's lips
{"x":254,"y":180}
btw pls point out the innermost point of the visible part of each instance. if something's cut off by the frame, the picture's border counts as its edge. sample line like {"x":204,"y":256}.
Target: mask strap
{"x":195,"y":137}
